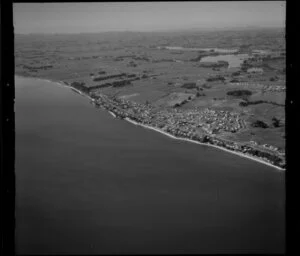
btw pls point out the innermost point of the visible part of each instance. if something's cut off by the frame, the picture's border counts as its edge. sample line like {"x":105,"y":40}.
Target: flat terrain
{"x":242,"y":72}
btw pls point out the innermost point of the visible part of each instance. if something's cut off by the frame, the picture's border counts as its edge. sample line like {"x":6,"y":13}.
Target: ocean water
{"x":88,"y":183}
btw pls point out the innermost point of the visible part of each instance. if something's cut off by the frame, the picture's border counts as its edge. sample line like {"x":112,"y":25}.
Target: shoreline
{"x":205,"y":144}
{"x":61,"y":83}
{"x":112,"y":113}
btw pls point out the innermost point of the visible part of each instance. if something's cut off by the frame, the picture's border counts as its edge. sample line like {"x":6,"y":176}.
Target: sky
{"x":145,"y":16}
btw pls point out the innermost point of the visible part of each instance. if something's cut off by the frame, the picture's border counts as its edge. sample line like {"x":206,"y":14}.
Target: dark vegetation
{"x":273,"y":79}
{"x":180,"y":104}
{"x":246,"y":103}
{"x":34,"y":69}
{"x":198,"y":94}
{"x":276,"y":122}
{"x":260,"y":124}
{"x":132,"y":64}
{"x":118,"y":83}
{"x":109,"y":77}
{"x":239,"y":93}
{"x":215,"y":78}
{"x":141,"y":58}
{"x":131,"y":75}
{"x":206,"y":86}
{"x":219,"y":64}
{"x":80,"y":86}
{"x":237,"y":73}
{"x":191,"y":85}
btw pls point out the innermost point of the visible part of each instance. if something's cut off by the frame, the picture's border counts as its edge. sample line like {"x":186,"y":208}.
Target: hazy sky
{"x":144,"y":16}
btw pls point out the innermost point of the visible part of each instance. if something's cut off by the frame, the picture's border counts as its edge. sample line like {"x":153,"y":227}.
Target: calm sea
{"x":90,"y":184}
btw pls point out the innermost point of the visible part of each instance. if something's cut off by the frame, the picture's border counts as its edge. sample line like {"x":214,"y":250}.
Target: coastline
{"x":61,"y":83}
{"x":113,"y":114}
{"x":206,"y":144}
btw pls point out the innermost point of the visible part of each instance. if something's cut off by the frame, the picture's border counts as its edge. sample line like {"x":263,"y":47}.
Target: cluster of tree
{"x":190,"y":85}
{"x":246,"y":65}
{"x":206,"y":139}
{"x":163,"y":60}
{"x":198,"y":94}
{"x":132,"y":64}
{"x":181,"y":103}
{"x":85,"y":57}
{"x":102,"y":85}
{"x":141,"y":58}
{"x":94,"y":95}
{"x":131,"y":75}
{"x":276,"y":122}
{"x":206,"y":86}
{"x":118,"y":83}
{"x":219,"y":64}
{"x":176,"y":52}
{"x":273,"y":158}
{"x":120,"y":58}
{"x":234,"y":81}
{"x":121,"y":83}
{"x":245,"y":103}
{"x":239,"y":93}
{"x":178,"y":104}
{"x":45,"y":67}
{"x":245,"y":46}
{"x":237,"y":73}
{"x":267,"y":66}
{"x":269,"y":57}
{"x":260,"y":124}
{"x":108,"y":77}
{"x":275,"y":78}
{"x":215,"y":78}
{"x":80,"y":86}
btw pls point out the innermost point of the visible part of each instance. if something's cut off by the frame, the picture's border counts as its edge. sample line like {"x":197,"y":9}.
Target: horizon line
{"x":161,"y":30}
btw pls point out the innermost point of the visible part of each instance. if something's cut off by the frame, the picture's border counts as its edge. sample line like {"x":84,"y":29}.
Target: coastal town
{"x":196,"y":125}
